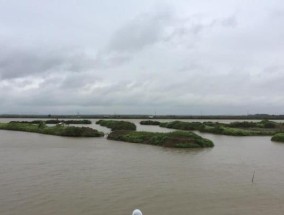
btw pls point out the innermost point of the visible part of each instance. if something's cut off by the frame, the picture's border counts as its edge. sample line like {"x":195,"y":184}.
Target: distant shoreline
{"x":138,"y":116}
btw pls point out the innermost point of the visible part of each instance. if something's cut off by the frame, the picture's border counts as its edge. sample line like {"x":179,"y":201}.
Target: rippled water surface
{"x":44,"y":175}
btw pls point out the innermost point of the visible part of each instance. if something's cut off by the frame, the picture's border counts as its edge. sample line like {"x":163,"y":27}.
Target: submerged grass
{"x":176,"y":139}
{"x":59,"y":130}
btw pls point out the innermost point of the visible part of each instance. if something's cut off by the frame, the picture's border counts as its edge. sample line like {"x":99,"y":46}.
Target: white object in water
{"x":137,"y":212}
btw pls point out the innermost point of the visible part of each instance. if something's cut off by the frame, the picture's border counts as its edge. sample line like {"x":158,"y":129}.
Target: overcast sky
{"x":142,"y":57}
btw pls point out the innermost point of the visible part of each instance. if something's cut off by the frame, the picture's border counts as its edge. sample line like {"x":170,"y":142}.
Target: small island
{"x":176,"y":139}
{"x":149,"y":122}
{"x":59,"y":130}
{"x":116,"y":125}
{"x":245,"y":128}
{"x":279,"y":137}
{"x":56,"y":121}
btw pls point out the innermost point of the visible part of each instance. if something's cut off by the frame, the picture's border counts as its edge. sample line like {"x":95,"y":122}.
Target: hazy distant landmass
{"x":145,"y":116}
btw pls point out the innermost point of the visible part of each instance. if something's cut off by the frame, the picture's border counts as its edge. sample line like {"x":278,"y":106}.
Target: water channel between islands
{"x":43,"y":174}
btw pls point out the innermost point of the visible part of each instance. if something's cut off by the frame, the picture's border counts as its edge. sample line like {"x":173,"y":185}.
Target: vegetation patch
{"x":115,"y":125}
{"x":176,"y":139}
{"x":150,"y":122}
{"x":279,"y":137}
{"x":55,"y":121}
{"x":264,"y":127}
{"x":59,"y":130}
{"x":182,"y":125}
{"x":262,"y":124}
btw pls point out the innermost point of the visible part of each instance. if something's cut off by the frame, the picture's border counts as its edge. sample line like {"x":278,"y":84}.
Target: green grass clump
{"x":150,"y":122}
{"x":262,"y":124}
{"x":176,"y":139}
{"x":55,"y":121}
{"x":182,"y":125}
{"x":279,"y":137}
{"x":59,"y":130}
{"x":263,"y":127}
{"x":244,"y":124}
{"x":236,"y":131}
{"x":115,"y":125}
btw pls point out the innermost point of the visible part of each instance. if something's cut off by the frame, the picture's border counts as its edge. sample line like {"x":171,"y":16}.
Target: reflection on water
{"x":41,"y":174}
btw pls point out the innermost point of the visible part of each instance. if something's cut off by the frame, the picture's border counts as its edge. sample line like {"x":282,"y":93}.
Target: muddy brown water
{"x":41,"y":174}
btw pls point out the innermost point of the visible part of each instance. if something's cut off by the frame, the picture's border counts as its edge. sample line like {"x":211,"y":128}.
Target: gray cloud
{"x":191,"y":27}
{"x":15,"y":63}
{"x":144,"y":30}
{"x":186,"y":59}
{"x":150,"y":28}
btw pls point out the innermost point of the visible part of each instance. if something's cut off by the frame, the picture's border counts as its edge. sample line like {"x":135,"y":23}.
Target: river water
{"x":44,"y":175}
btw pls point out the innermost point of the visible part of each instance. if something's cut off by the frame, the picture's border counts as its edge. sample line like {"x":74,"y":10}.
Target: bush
{"x":150,"y":122}
{"x":244,"y":124}
{"x":279,"y":137}
{"x":56,"y":121}
{"x":115,"y":125}
{"x":183,"y":125}
{"x":268,"y":124}
{"x":60,"y":130}
{"x":233,"y":129}
{"x":177,"y":139}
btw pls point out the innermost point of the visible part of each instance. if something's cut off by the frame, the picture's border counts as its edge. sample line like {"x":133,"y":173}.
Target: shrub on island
{"x":262,"y":124}
{"x":236,"y":131}
{"x":182,"y":125}
{"x":59,"y":130}
{"x":150,"y":122}
{"x":116,"y":125}
{"x":279,"y":137}
{"x":55,"y":121}
{"x":176,"y":139}
{"x":243,"y":124}
{"x":264,"y":127}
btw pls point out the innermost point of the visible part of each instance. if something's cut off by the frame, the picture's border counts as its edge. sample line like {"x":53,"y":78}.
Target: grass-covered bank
{"x":56,"y":121}
{"x":177,"y":139}
{"x":116,"y":125}
{"x":279,"y":137}
{"x":262,"y":128}
{"x":150,"y":122}
{"x":59,"y":130}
